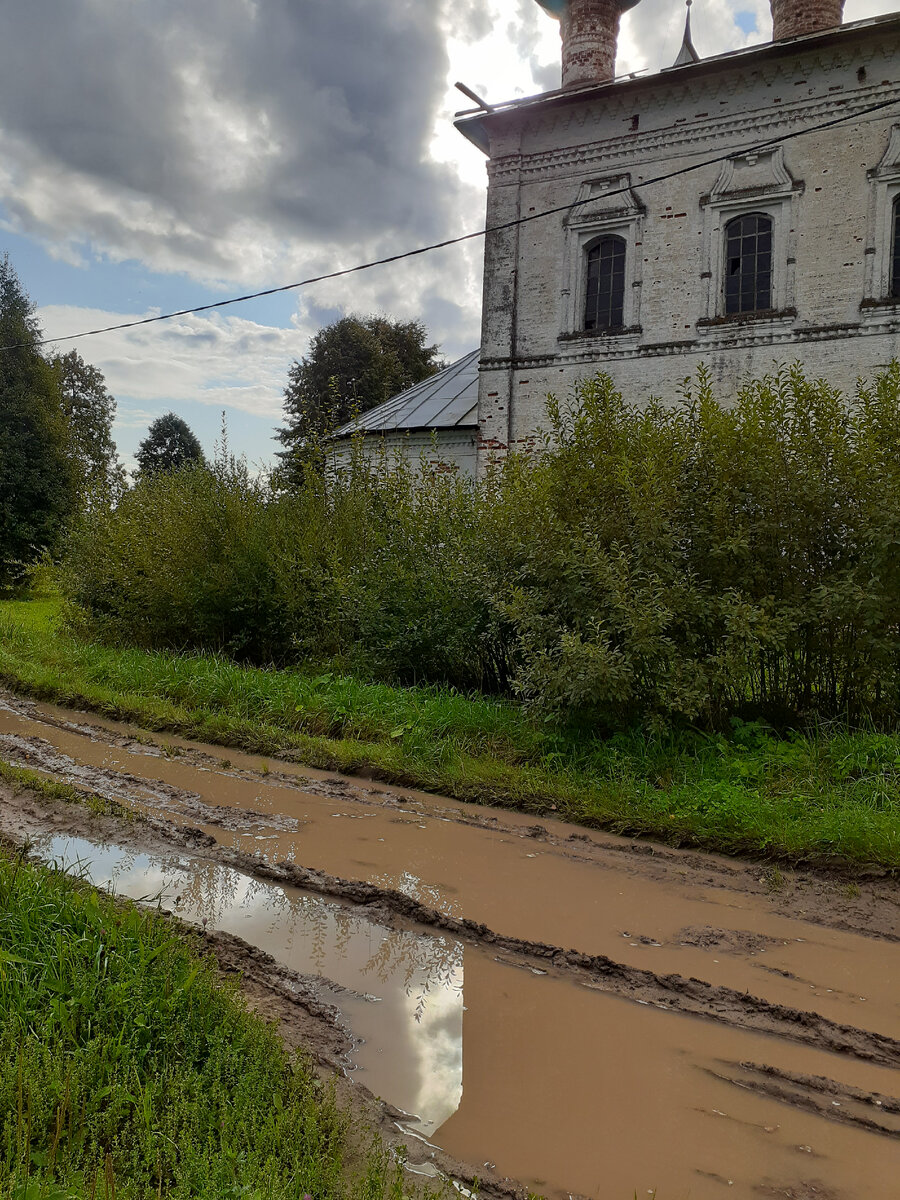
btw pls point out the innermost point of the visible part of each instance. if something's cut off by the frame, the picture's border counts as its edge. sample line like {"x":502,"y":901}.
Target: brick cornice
{"x":711,"y":341}
{"x":752,"y":126}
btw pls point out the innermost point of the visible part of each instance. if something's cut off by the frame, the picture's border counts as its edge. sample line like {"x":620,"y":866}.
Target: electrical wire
{"x":465,"y":237}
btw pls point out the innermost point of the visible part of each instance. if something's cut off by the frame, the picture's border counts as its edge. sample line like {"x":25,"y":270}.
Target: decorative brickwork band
{"x":590,"y":31}
{"x":794,"y":18}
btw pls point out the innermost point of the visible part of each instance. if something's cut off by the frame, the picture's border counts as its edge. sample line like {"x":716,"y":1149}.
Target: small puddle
{"x":553,"y":1083}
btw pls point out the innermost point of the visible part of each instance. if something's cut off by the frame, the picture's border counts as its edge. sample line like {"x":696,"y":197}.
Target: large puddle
{"x":555,"y":1084}
{"x":558,"y":1085}
{"x":664,"y":920}
{"x":403,"y":989}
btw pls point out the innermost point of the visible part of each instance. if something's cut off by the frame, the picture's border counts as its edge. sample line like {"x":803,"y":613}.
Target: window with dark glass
{"x":895,"y":252}
{"x":748,"y":264}
{"x":605,"y":304}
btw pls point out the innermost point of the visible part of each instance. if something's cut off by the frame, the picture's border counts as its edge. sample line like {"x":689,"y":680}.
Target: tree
{"x":36,"y":476}
{"x":169,"y":444}
{"x":353,"y":365}
{"x":89,"y":410}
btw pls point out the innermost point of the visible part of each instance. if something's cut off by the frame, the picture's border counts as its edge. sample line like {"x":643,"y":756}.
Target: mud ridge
{"x":286,"y":992}
{"x":820,"y":1083}
{"x":38,"y":754}
{"x":815,"y":1094}
{"x":695,"y":996}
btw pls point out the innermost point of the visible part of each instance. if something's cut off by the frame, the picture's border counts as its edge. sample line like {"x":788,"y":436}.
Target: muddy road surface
{"x":535,"y":1006}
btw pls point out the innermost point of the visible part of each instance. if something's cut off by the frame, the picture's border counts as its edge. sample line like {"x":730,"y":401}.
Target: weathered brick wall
{"x":823,"y":184}
{"x":793,"y":18}
{"x":590,"y":31}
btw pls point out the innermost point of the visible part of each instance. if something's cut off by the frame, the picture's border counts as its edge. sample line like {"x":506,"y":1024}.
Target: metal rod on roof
{"x":466,"y":91}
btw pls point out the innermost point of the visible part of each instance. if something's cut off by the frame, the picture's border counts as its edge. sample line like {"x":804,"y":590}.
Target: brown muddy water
{"x":717,"y":1030}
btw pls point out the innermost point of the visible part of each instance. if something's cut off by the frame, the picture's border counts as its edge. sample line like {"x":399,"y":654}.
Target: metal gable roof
{"x":443,"y":401}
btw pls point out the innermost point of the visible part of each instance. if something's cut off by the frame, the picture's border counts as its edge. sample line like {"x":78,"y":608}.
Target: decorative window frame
{"x":884,"y":189}
{"x":598,"y":214}
{"x":751,"y":183}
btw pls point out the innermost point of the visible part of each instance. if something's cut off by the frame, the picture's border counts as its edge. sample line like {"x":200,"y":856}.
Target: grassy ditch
{"x":128,"y":1069}
{"x":830,"y":797}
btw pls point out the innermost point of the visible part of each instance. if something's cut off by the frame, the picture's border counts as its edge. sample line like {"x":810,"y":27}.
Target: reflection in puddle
{"x":406,"y":989}
{"x":567,"y":1089}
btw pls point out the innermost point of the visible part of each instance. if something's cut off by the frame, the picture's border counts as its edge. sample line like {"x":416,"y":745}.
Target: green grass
{"x":42,"y":615}
{"x":34,"y":781}
{"x":828,"y":797}
{"x":128,"y":1069}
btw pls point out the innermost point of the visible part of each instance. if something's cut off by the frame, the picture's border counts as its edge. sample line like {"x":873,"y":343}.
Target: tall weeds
{"x":692,"y":561}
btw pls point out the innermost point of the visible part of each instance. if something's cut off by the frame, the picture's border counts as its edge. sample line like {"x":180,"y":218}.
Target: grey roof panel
{"x":442,"y":401}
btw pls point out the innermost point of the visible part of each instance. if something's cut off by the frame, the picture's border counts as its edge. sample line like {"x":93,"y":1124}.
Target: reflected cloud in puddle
{"x":411,"y":1053}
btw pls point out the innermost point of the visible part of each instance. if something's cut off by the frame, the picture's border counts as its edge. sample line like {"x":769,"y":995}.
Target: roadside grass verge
{"x":827,"y":797}
{"x":128,"y":1069}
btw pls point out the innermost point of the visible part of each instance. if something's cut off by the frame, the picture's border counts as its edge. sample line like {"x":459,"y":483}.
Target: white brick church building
{"x":760,"y":255}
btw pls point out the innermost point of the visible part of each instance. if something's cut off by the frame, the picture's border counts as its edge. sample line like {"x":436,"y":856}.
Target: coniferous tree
{"x":169,"y":444}
{"x":36,"y":477}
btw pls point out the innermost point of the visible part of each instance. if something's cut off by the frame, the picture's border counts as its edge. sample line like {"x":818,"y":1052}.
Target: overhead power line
{"x":465,"y":237}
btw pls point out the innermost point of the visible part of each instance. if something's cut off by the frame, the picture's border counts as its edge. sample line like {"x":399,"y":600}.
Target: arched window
{"x":748,"y":264}
{"x":605,"y":303}
{"x":895,"y":252}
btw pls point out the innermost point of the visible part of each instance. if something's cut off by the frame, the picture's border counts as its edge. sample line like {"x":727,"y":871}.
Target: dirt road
{"x":568,"y":1012}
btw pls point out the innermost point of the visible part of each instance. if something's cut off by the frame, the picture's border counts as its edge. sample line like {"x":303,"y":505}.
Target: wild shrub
{"x":183,"y":560}
{"x":379,"y":565}
{"x":416,"y":574}
{"x":702,"y":561}
{"x":660,"y":562}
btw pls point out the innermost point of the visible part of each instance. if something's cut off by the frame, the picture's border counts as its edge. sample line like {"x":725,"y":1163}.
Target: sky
{"x":157,"y":155}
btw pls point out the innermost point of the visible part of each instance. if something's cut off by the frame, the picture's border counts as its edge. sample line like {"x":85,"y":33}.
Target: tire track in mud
{"x":670,"y":992}
{"x":674,"y":993}
{"x":817,"y":1094}
{"x":823,"y":895}
{"x":116,"y":786}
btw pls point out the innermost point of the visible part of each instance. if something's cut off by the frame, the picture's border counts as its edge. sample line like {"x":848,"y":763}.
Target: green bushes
{"x":705,"y":561}
{"x":377,"y":569}
{"x":693,"y":561}
{"x":183,"y":560}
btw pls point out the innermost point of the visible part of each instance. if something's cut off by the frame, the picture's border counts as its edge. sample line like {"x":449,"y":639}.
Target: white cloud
{"x":239,"y":142}
{"x":217,"y":360}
